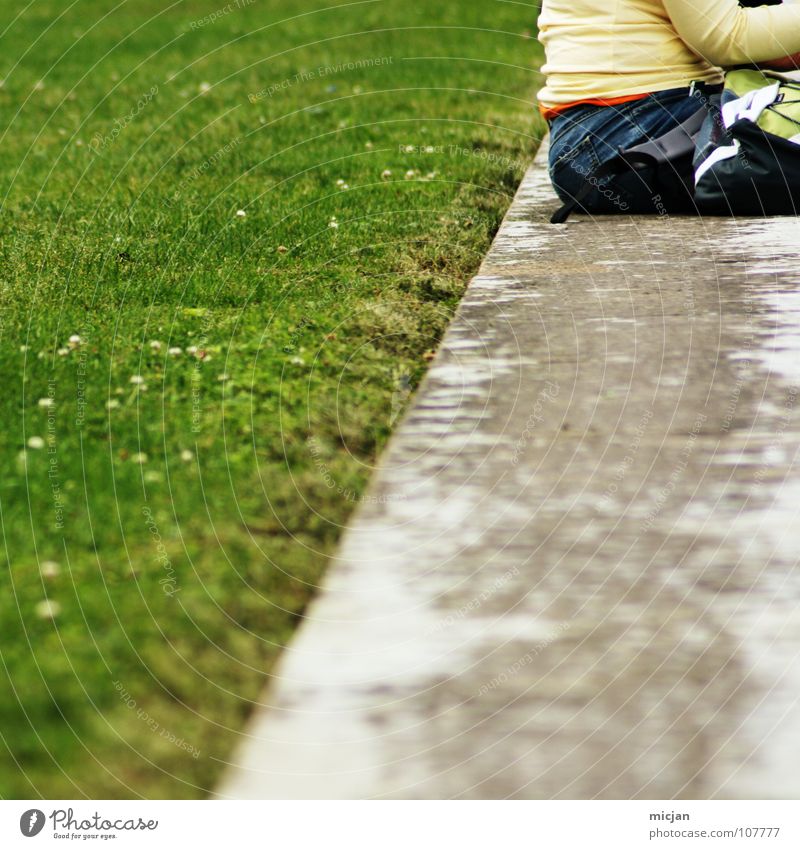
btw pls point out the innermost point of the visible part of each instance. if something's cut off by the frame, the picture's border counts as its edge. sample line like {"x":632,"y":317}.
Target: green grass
{"x":191,"y":516}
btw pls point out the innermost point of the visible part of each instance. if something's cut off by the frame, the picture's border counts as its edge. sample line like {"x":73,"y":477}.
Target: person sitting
{"x":622,"y":73}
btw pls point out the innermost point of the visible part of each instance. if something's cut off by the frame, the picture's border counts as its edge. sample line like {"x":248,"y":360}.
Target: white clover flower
{"x":48,"y":609}
{"x":223,"y":377}
{"x":192,"y":349}
{"x":369,"y":145}
{"x":62,"y":352}
{"x":23,"y":349}
{"x":187,"y":456}
{"x":74,"y":340}
{"x":410,"y":174}
{"x":204,"y":87}
{"x":49,"y":569}
{"x":46,"y":402}
{"x":340,"y":182}
{"x":155,"y":345}
{"x":297,"y":361}
{"x":153,"y":476}
{"x":137,"y":379}
{"x":333,"y":224}
{"x":386,"y":173}
{"x":175,"y":351}
{"x":140,"y":458}
{"x":36,"y":442}
{"x":112,"y":404}
{"x":240,"y":213}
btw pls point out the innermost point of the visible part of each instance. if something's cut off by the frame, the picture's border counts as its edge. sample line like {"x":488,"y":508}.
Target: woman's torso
{"x":613,"y":48}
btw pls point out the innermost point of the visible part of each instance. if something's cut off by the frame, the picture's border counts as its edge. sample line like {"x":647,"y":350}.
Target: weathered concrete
{"x":578,"y":577}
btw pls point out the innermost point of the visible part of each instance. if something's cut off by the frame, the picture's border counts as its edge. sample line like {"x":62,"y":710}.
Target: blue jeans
{"x":584,"y":137}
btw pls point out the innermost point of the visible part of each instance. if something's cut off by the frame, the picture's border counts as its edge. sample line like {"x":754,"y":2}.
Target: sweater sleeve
{"x":724,"y":33}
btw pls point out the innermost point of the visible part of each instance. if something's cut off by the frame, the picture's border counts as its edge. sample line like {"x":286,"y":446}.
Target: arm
{"x":726,"y":34}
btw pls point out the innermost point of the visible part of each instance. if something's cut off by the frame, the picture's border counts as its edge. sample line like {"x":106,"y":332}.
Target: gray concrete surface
{"x":577,"y":577}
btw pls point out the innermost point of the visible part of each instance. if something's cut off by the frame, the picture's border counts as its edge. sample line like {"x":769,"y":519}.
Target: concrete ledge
{"x":577,"y":577}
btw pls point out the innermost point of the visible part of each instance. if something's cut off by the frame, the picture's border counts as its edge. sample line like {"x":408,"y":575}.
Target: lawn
{"x":231,"y":237}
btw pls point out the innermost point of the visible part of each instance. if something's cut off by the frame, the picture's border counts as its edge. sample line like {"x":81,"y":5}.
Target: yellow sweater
{"x":612,"y":48}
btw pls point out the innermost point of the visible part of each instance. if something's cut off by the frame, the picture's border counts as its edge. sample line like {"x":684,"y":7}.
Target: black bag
{"x":752,"y":166}
{"x":662,"y":167}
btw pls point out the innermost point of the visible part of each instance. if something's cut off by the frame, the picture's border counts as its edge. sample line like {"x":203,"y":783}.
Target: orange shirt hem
{"x":550,"y":112}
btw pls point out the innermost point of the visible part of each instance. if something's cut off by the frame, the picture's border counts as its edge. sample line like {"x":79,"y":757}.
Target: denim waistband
{"x":695,"y":89}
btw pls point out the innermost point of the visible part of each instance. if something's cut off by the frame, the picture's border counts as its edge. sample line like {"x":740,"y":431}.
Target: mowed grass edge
{"x":231,"y":238}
